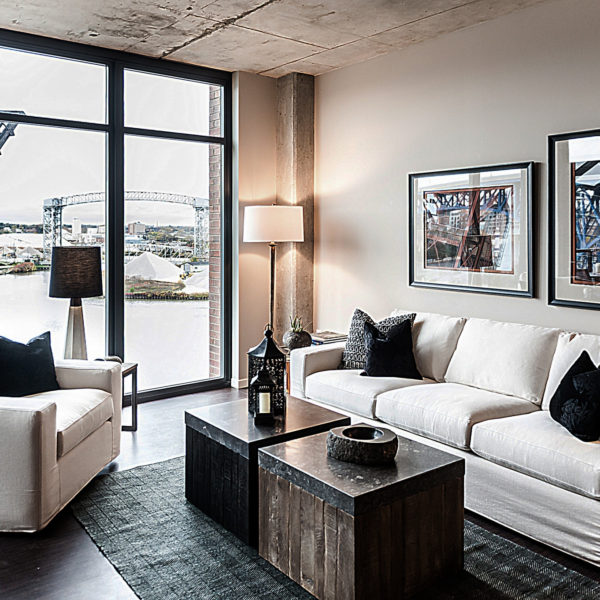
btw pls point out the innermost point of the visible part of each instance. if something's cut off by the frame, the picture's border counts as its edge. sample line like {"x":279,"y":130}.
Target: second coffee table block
{"x":221,"y":457}
{"x":348,"y":532}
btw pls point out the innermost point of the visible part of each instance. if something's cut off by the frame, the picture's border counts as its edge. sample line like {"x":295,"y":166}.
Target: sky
{"x":44,"y":162}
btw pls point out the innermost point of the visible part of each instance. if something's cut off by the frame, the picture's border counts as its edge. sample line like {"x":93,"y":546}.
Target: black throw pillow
{"x":581,"y":418}
{"x":390,"y":355}
{"x":355,"y":353}
{"x":566,"y":390}
{"x":27,"y":368}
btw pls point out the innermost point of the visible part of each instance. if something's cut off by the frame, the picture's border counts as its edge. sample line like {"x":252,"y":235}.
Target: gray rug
{"x":165,"y":548}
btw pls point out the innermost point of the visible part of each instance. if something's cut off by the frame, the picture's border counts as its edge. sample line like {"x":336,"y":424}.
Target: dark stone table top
{"x":230,"y":424}
{"x":357,"y":489}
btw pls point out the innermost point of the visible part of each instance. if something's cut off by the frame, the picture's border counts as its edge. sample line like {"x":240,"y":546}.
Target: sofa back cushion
{"x":568,"y":349}
{"x":507,"y":358}
{"x":434,"y":341}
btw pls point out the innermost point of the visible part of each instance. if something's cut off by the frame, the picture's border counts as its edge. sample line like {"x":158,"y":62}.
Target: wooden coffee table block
{"x":351,"y":532}
{"x":221,"y":457}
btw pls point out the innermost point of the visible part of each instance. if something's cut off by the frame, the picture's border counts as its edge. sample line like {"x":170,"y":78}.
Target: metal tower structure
{"x":53,"y":209}
{"x":7,"y":129}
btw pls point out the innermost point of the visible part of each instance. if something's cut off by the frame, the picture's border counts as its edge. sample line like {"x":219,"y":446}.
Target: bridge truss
{"x":53,"y":215}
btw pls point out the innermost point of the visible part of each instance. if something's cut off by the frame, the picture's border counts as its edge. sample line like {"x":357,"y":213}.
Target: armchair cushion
{"x":78,"y":414}
{"x":27,"y":369}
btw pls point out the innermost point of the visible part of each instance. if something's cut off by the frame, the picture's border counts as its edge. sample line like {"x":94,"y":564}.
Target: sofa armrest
{"x":99,"y":375}
{"x":29,"y":484}
{"x":306,"y":361}
{"x":94,"y":374}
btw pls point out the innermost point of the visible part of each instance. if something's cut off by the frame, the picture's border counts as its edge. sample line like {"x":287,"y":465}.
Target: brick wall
{"x":215,"y":173}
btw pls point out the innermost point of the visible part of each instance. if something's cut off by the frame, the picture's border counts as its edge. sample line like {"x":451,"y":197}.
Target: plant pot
{"x":296,"y":339}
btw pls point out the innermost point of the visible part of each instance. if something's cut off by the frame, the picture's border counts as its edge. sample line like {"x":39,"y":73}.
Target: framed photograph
{"x":471,"y":229}
{"x":574,"y":219}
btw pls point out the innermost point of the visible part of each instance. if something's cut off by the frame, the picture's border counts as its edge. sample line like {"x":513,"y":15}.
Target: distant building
{"x":136,"y":228}
{"x":76,"y":228}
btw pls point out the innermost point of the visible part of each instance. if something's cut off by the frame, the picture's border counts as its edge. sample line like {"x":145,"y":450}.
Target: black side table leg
{"x":134,"y":419}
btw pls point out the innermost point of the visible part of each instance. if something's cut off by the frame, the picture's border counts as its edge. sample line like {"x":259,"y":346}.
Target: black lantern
{"x":263,"y":387}
{"x":267,"y":355}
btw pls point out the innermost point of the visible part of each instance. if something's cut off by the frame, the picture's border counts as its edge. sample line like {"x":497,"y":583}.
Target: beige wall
{"x":254,"y":162}
{"x":484,"y":95}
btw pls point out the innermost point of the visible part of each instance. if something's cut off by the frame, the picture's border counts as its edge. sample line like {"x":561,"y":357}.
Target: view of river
{"x":169,"y":339}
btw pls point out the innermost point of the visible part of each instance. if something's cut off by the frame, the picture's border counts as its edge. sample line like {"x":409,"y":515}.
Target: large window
{"x":133,"y":155}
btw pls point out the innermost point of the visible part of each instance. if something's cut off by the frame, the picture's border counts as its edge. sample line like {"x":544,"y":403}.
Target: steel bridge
{"x":473,"y":247}
{"x":53,"y":220}
{"x":587,"y":209}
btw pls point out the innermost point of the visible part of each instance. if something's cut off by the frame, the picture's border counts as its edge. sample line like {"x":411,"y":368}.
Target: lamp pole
{"x":272,"y":246}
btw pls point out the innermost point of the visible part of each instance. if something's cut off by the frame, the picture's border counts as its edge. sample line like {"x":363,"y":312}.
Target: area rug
{"x":165,"y":548}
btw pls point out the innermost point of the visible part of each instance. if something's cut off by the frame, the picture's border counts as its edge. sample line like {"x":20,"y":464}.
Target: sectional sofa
{"x":485,"y":396}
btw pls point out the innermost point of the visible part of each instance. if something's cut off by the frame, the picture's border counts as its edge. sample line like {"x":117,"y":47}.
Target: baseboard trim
{"x":239,"y":383}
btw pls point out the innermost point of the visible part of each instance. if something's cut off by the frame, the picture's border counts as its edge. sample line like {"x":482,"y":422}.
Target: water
{"x":169,"y":339}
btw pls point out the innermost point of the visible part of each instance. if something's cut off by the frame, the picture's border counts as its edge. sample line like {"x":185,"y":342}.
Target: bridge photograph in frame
{"x":471,"y":229}
{"x":574,"y":219}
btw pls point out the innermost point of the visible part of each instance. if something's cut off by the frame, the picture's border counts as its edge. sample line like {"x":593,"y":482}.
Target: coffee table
{"x":345,"y":531}
{"x":221,"y":457}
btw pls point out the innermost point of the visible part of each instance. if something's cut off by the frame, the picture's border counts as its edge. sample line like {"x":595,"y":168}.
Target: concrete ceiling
{"x":271,"y":37}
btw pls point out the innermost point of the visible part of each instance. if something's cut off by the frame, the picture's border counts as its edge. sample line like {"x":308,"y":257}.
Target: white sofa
{"x":485,"y":396}
{"x":52,"y":444}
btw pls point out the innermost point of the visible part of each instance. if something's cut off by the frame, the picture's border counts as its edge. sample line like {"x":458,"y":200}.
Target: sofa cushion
{"x":568,"y":348}
{"x":537,"y":445}
{"x":79,"y":413}
{"x":446,"y":412}
{"x":507,"y":358}
{"x":347,"y":389}
{"x":434,"y":341}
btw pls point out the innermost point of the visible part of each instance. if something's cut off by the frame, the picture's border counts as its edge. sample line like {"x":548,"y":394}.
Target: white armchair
{"x":52,"y":444}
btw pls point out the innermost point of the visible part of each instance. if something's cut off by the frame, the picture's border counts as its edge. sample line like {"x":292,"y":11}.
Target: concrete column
{"x":295,"y":186}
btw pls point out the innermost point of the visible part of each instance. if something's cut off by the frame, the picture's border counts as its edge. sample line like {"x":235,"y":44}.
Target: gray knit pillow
{"x":355,"y":354}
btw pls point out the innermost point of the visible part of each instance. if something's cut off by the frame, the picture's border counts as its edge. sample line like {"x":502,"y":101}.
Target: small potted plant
{"x":296,"y":337}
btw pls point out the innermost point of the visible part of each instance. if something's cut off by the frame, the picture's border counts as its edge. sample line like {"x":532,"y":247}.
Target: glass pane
{"x":48,"y":197}
{"x":169,"y":329}
{"x":171,"y":104}
{"x":46,"y":86}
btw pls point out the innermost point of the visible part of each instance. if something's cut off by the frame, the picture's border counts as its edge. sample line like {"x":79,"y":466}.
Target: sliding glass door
{"x":133,"y":155}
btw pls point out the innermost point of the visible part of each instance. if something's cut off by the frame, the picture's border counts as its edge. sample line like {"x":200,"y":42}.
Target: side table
{"x":130,"y":368}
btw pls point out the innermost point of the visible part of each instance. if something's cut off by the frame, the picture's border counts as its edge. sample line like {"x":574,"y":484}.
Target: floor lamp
{"x":273,"y":224}
{"x":76,"y":273}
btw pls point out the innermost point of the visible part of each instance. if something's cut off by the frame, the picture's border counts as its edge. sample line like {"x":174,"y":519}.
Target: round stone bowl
{"x":362,"y":444}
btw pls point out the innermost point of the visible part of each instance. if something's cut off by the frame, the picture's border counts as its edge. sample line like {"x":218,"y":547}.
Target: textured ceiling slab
{"x":449,"y":21}
{"x":166,"y":40}
{"x":299,"y":21}
{"x":273,"y":37}
{"x":350,"y":54}
{"x":248,"y":50}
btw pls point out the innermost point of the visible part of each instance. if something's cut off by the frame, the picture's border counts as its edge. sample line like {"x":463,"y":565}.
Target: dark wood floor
{"x":62,"y":562}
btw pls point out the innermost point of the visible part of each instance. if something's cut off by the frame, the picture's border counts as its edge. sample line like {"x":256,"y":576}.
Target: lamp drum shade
{"x":76,"y":272}
{"x":274,"y":223}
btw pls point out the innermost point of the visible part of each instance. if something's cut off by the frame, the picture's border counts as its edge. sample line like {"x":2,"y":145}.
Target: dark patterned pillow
{"x":355,"y":353}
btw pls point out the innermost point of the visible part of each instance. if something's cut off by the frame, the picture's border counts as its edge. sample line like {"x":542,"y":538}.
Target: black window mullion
{"x":116,"y":213}
{"x":52,"y":122}
{"x":174,"y":135}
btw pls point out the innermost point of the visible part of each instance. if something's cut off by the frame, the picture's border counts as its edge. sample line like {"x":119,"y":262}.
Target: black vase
{"x":297,"y":339}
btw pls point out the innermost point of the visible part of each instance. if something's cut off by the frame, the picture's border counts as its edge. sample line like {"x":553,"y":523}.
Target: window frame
{"x":116,"y":62}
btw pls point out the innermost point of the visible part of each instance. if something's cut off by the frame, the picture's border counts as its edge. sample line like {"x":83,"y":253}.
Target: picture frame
{"x":573,"y":218}
{"x":471,"y":229}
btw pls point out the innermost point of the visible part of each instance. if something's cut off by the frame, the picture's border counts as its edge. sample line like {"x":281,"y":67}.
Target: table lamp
{"x":76,"y":273}
{"x":273,"y":224}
